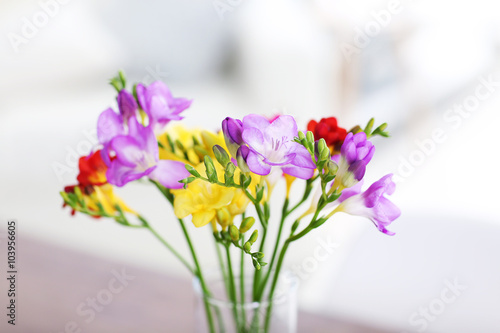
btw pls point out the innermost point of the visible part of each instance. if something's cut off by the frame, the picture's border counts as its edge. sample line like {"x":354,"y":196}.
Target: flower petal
{"x":254,"y":138}
{"x":109,"y":125}
{"x":202,"y":218}
{"x":168,"y":173}
{"x":255,"y":121}
{"x":299,"y":172}
{"x":303,"y":158}
{"x":256,"y":165}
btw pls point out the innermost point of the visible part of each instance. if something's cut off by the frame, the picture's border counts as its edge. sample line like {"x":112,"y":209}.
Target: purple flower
{"x":232,"y":130}
{"x":159,"y":104}
{"x":271,"y":144}
{"x":127,"y":105}
{"x":136,"y":155}
{"x":372,"y":203}
{"x":357,"y":152}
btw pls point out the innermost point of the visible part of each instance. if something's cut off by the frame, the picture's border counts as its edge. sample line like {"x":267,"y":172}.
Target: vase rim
{"x":292,"y":283}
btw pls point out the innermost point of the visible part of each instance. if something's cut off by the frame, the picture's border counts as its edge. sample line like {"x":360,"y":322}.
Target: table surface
{"x":55,"y":283}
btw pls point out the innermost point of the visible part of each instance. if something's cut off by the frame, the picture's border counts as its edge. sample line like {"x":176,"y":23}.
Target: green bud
{"x":295,"y":225}
{"x":301,"y":136}
{"x":210,"y":169}
{"x":323,"y":150}
{"x":256,"y":265}
{"x":332,"y":167}
{"x":192,"y":170}
{"x":123,"y":80}
{"x":254,"y":236}
{"x":310,"y":136}
{"x":246,"y":224}
{"x":369,"y":126}
{"x":356,"y":129}
{"x":234,"y":233}
{"x":229,"y":173}
{"x":221,"y":155}
{"x":247,"y":247}
{"x":224,"y":217}
{"x":260,"y":193}
{"x":258,"y":255}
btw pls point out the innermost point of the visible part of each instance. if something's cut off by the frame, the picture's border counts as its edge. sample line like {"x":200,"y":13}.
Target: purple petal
{"x":256,"y":121}
{"x":120,"y":174}
{"x":351,"y":191}
{"x":232,"y":130}
{"x":145,"y":137}
{"x":168,"y":173}
{"x":359,"y":138}
{"x":299,"y":172}
{"x":283,"y":127}
{"x":358,"y":169}
{"x":254,"y":138}
{"x":109,"y":125}
{"x":303,"y":158}
{"x":127,"y":149}
{"x":256,"y":165}
{"x":126,"y":104}
{"x":378,"y":189}
{"x":140,"y":90}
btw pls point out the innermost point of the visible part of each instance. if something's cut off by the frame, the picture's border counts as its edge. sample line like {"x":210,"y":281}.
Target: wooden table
{"x":56,"y":287}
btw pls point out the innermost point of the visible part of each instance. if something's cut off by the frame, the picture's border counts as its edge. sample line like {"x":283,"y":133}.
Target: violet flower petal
{"x":169,"y":173}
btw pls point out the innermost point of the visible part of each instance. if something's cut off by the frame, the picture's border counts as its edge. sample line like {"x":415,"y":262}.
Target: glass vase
{"x":276,"y":316}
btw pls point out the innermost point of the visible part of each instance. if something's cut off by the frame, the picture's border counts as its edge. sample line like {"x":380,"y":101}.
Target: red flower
{"x":92,"y":170}
{"x":327,"y":129}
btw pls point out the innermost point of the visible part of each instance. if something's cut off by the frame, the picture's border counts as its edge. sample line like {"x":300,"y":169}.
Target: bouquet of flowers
{"x":213,"y":178}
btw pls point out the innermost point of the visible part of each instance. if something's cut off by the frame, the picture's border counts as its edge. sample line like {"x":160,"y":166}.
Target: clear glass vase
{"x":276,"y":316}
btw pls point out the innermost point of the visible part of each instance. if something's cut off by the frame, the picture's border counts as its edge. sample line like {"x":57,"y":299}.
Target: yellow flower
{"x":208,"y":202}
{"x":94,"y":196}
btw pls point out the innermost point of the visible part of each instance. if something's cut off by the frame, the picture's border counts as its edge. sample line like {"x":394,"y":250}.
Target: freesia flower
{"x":159,"y":104}
{"x":94,"y":187}
{"x":355,"y":154}
{"x":232,"y":129}
{"x":92,"y":170}
{"x":328,"y":129}
{"x":270,"y":144}
{"x":204,"y":200}
{"x":103,"y":196}
{"x":372,"y":204}
{"x":136,"y":155}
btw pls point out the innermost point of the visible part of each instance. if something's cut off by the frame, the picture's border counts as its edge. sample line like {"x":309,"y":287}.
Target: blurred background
{"x":431,"y":69}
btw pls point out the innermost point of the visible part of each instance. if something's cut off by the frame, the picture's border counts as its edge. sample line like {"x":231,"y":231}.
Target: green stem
{"x":274,"y":283}
{"x":242,"y":286}
{"x":232,"y":288}
{"x":168,"y":246}
{"x":199,"y":273}
{"x":284,"y":214}
{"x":224,"y":276}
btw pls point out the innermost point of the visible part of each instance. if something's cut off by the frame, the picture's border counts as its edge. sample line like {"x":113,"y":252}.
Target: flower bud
{"x":254,"y":236}
{"x":224,"y":218}
{"x":234,"y":233}
{"x":221,"y":155}
{"x":246,"y":224}
{"x":332,"y":167}
{"x":247,"y":247}
{"x":232,"y":130}
{"x":258,"y":255}
{"x":192,"y":170}
{"x":322,"y":150}
{"x":241,"y":158}
{"x":210,"y":169}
